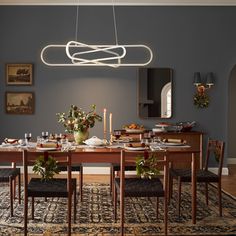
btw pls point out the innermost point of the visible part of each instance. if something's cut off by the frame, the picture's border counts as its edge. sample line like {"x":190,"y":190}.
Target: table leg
{"x":194,"y":188}
{"x":13,"y":165}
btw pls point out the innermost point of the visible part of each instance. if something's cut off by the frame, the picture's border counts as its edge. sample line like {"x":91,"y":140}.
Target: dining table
{"x":107,"y":154}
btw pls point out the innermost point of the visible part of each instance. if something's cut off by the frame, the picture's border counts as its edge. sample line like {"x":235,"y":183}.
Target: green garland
{"x":146,"y":166}
{"x":46,"y":166}
{"x":201,"y":100}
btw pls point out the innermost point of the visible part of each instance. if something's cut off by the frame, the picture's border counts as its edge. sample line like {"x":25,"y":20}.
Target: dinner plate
{"x":136,"y":148}
{"x":173,"y":144}
{"x":134,"y":130}
{"x":122,"y":140}
{"x":46,"y":148}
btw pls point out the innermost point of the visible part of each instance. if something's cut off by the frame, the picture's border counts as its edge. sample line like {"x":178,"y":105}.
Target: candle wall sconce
{"x":201,"y":98}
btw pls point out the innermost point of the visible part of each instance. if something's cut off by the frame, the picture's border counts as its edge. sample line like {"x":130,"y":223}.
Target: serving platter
{"x":136,"y":148}
{"x":46,"y":148}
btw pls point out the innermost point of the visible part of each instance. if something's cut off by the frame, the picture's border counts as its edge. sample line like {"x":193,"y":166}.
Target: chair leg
{"x":220,"y":198}
{"x":19,"y":189}
{"x":157,"y":207}
{"x":179,"y":196}
{"x":69,"y":215}
{"x":75,"y":201}
{"x":32,"y":208}
{"x":165,"y":214}
{"x":170,"y":184}
{"x":206,"y":192}
{"x":115,"y":203}
{"x":111,"y":181}
{"x":25,"y":215}
{"x":81,"y":183}
{"x":11,"y":183}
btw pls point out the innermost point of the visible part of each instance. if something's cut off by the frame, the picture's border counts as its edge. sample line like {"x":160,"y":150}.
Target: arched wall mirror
{"x":155,"y":92}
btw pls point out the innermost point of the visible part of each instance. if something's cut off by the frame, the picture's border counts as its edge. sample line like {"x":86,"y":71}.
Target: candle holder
{"x":105,"y":135}
{"x":111,"y":138}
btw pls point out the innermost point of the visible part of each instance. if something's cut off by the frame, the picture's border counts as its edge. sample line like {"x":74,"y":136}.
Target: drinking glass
{"x":45,"y":135}
{"x":151,"y":135}
{"x":28,"y":137}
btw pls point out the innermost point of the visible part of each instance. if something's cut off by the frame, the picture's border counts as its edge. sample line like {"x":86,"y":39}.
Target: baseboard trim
{"x":89,"y":170}
{"x":231,"y":161}
{"x":225,"y":170}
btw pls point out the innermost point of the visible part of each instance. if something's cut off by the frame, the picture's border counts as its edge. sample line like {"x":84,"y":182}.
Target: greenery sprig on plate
{"x":146,"y":166}
{"x":46,"y":166}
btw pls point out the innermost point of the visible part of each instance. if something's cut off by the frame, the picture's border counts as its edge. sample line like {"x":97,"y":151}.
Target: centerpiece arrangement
{"x":146,"y":166}
{"x":77,"y":122}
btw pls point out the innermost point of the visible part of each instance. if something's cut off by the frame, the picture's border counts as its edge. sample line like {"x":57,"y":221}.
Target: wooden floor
{"x":228,"y":181}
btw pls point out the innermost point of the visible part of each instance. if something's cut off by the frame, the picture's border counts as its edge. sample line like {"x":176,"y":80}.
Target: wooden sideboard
{"x":193,"y":139}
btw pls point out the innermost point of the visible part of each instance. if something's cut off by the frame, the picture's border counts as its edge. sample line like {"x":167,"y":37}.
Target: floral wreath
{"x":46,"y":166}
{"x":146,"y":166}
{"x":201,"y":99}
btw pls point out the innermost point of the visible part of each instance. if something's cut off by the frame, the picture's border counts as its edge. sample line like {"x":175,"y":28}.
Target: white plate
{"x":136,"y":148}
{"x":173,"y":144}
{"x":46,"y":148}
{"x":134,"y":130}
{"x":122,"y":140}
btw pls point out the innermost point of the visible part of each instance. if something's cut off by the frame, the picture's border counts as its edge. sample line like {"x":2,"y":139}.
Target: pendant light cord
{"x":114,"y":21}
{"x":77,"y":21}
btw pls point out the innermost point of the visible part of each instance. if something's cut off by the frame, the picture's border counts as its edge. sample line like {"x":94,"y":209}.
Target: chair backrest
{"x":129,"y":158}
{"x":215,"y":148}
{"x":63,"y":159}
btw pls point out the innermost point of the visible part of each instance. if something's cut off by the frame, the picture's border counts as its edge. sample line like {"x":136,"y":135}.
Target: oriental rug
{"x":95,"y":215}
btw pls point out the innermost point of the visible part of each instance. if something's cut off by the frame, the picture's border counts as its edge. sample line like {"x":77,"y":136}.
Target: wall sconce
{"x":201,"y":99}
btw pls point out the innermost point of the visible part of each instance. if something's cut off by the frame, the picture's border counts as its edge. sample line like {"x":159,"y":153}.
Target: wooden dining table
{"x":109,"y":155}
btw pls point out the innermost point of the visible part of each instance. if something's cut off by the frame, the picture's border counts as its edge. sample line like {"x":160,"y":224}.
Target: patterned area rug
{"x":95,"y":215}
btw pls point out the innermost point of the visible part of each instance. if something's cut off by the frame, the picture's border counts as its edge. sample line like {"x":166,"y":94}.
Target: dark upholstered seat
{"x":202,"y":175}
{"x":50,"y":188}
{"x":5,"y":173}
{"x":136,"y":187}
{"x":215,"y":148}
{"x":8,"y":175}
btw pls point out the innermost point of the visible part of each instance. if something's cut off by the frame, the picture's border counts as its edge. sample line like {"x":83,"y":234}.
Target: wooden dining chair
{"x":214,"y":148}
{"x":79,"y":169}
{"x":10,"y":175}
{"x":56,"y":187}
{"x":140,"y":187}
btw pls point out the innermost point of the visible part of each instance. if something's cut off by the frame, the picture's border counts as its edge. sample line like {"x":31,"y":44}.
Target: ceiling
{"x":122,"y":2}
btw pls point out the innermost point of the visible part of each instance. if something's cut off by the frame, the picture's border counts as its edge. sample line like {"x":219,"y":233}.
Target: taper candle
{"x":110,"y":123}
{"x":105,"y":121}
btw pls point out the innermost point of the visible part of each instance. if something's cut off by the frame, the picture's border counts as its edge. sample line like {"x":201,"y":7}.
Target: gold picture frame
{"x":19,"y":74}
{"x":20,"y":103}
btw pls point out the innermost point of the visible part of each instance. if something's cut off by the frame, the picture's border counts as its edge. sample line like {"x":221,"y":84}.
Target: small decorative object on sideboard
{"x":77,"y":122}
{"x":186,"y":126}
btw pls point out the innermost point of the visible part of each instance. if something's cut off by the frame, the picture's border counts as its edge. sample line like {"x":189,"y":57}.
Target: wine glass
{"x":45,"y":135}
{"x":28,"y":137}
{"x":151,"y":135}
{"x":58,"y":137}
{"x":117,"y":134}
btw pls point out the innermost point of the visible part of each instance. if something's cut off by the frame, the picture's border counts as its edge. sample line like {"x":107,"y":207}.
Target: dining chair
{"x":76,"y":168}
{"x":56,"y":187}
{"x":215,"y":148}
{"x":10,"y":175}
{"x":142,"y":187}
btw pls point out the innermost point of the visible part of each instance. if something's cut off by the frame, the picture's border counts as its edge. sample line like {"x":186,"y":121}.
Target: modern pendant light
{"x":82,"y":54}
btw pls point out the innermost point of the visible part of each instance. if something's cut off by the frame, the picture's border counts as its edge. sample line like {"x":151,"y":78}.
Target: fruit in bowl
{"x":133,"y":127}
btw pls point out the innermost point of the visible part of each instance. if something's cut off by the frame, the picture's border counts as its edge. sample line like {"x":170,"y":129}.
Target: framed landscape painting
{"x":19,"y":103}
{"x":19,"y":74}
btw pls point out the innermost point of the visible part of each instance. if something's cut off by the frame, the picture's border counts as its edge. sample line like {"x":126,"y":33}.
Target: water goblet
{"x":45,"y":135}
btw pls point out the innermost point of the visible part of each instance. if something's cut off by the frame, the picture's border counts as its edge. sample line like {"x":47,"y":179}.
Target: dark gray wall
{"x":187,"y":39}
{"x":232,"y":115}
